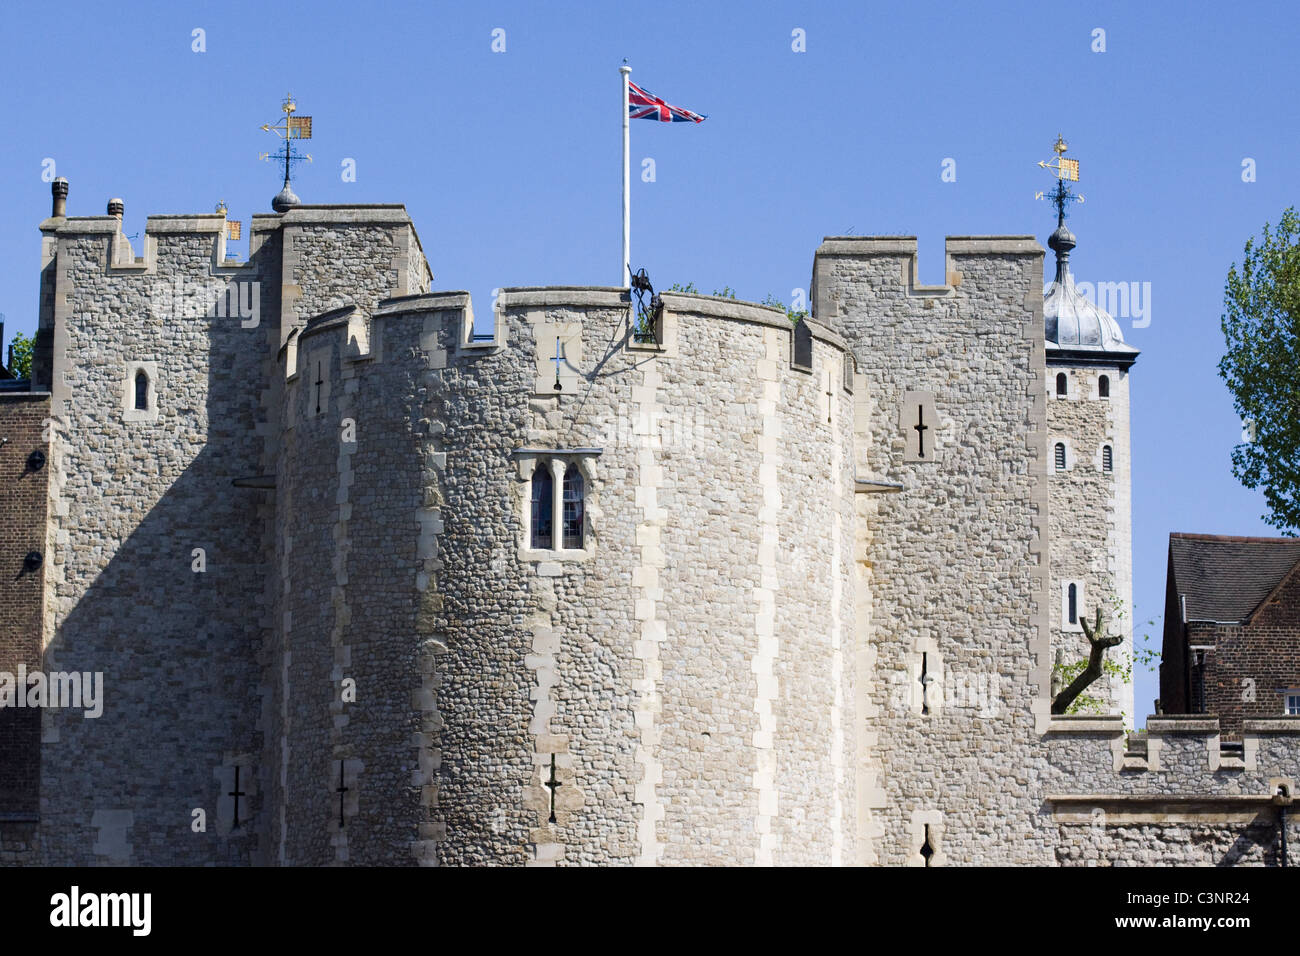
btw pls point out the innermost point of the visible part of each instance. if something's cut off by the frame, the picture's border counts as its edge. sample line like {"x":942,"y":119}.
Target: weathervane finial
{"x":293,"y":127}
{"x":1066,"y":169}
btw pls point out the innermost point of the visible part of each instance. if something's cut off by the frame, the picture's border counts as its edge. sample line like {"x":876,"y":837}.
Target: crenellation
{"x":756,"y":592}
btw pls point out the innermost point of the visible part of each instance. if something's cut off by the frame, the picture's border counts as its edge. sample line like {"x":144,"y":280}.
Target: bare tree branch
{"x":1096,"y":635}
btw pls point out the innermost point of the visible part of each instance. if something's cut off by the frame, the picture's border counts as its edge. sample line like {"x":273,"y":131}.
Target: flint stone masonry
{"x":557,"y":636}
{"x":958,"y":556}
{"x":1176,"y":799}
{"x":1091,"y":518}
{"x":731,"y":669}
{"x":129,"y":503}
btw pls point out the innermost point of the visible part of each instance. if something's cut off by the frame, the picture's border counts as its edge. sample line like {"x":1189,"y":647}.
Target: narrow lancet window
{"x":1073,"y":600}
{"x":142,"y":390}
{"x":1103,"y":387}
{"x":1060,"y":456}
{"x":543,"y":505}
{"x":1061,"y":384}
{"x":573,"y":507}
{"x":1107,"y":459}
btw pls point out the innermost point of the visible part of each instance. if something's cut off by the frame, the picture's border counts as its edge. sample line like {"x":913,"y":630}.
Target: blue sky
{"x":510,"y":162}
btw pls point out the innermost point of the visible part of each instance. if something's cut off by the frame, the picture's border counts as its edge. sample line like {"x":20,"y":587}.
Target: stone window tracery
{"x":556,"y":491}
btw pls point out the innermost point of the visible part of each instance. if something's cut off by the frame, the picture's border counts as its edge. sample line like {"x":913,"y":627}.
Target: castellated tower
{"x":703,"y":586}
{"x":364,"y":588}
{"x":952,"y":569}
{"x":1087,"y":385}
{"x":663,"y":673}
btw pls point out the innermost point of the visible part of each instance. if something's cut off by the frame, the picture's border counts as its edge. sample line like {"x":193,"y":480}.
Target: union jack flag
{"x":643,"y":105}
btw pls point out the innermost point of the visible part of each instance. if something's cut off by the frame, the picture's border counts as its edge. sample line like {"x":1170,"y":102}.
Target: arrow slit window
{"x":918,"y":422}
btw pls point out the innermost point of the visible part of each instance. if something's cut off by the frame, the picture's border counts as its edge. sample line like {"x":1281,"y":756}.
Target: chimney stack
{"x":116,"y":207}
{"x":59,"y":190}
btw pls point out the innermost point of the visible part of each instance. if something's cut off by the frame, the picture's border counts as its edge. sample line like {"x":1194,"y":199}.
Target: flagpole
{"x":625,"y":266}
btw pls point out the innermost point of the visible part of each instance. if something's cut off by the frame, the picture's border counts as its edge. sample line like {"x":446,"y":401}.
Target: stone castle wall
{"x":1092,"y":519}
{"x":328,"y":260}
{"x":1172,"y":798}
{"x":153,"y":575}
{"x":794,"y":634}
{"x":677,"y":669}
{"x":956,"y":558}
{"x":193,"y":665}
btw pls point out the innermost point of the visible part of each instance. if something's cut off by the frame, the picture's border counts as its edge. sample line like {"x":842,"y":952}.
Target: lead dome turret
{"x":1071,"y":321}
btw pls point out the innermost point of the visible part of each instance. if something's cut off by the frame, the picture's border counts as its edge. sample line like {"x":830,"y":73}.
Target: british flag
{"x":643,"y":105}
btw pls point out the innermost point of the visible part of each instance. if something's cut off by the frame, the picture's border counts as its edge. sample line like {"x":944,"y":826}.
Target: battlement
{"x":1183,"y":754}
{"x":525,"y":316}
{"x":899,"y":255}
{"x":212,"y":226}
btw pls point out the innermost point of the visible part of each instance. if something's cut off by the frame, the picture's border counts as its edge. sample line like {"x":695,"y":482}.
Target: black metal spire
{"x":1062,"y":240}
{"x":293,"y":127}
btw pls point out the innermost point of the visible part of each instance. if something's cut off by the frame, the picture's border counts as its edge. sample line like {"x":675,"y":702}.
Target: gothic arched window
{"x":1062,"y":384}
{"x":1060,"y":456}
{"x":573,"y":507}
{"x":1107,"y":459}
{"x":1103,"y":387}
{"x":142,"y":390}
{"x":543,"y":507}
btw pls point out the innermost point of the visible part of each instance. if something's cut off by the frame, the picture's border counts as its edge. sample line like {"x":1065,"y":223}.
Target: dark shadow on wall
{"x":177,"y":632}
{"x":1257,"y":842}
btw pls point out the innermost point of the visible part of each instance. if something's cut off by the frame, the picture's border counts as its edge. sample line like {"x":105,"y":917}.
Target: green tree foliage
{"x":790,"y":314}
{"x":21,"y":351}
{"x":1261,"y":323}
{"x":727,"y":292}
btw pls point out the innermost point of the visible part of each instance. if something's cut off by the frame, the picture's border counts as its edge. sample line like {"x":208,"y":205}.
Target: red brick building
{"x":1232,"y":628}
{"x":24,"y":495}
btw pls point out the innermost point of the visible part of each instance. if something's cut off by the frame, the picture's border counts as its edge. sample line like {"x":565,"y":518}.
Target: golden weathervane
{"x":1066,"y":170}
{"x":234,"y":228}
{"x":293,"y":127}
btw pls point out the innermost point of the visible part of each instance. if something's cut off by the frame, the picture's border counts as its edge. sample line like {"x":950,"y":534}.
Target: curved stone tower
{"x":671,"y":682}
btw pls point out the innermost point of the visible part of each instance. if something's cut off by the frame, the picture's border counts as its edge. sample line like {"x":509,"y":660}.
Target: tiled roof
{"x":1226,"y":578}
